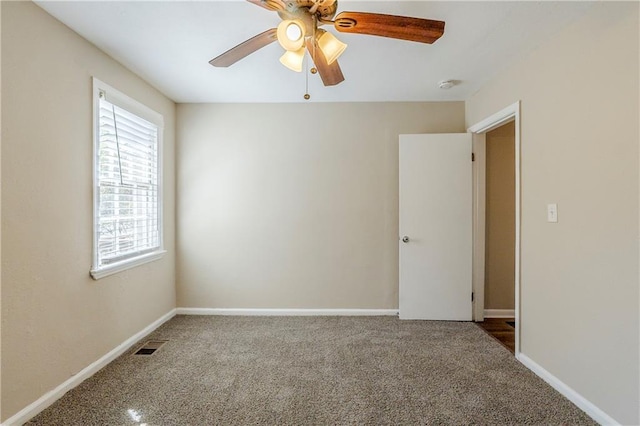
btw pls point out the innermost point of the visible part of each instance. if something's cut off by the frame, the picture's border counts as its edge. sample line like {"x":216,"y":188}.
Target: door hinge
{"x":472,"y":296}
{"x":473,"y":156}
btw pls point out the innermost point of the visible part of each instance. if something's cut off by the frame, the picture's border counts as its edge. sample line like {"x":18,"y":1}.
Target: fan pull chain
{"x":314,"y":70}
{"x":307,"y":96}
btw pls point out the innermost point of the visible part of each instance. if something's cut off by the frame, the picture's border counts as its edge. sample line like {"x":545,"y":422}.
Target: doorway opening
{"x":499,"y":263}
{"x":496,"y":225}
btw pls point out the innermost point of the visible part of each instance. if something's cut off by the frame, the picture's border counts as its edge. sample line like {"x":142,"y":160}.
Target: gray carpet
{"x":315,"y":371}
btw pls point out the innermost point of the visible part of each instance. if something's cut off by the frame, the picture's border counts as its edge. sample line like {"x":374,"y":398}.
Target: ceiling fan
{"x":300,"y":31}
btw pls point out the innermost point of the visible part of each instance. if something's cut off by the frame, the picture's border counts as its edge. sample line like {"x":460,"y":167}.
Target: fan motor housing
{"x":326,"y":8}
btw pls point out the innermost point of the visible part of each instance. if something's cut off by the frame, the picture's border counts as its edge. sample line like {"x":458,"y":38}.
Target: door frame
{"x":479,"y":131}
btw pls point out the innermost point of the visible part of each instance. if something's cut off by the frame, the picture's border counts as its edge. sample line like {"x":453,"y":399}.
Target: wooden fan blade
{"x":331,"y":74}
{"x":245,"y":48}
{"x":270,"y":4}
{"x":400,"y":27}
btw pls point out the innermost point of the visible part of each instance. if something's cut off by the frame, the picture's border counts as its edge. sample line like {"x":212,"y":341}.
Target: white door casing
{"x":436,"y":216}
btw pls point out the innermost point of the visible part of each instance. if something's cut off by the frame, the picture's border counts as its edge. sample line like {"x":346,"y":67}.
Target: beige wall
{"x":499,"y":271}
{"x":294,"y":205}
{"x":55,"y":319}
{"x":579,"y":139}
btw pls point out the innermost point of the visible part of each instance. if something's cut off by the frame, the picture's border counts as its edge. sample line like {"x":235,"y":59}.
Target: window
{"x":127,"y":182}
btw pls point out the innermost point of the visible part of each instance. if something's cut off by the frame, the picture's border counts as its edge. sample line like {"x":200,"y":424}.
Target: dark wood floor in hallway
{"x":501,"y":330}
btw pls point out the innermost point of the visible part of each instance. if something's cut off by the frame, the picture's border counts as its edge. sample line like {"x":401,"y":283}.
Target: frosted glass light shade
{"x":293,"y":59}
{"x":330,"y":46}
{"x":291,"y":34}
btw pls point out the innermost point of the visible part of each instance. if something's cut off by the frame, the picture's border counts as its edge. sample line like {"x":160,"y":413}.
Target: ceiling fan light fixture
{"x":293,"y":59}
{"x":291,"y":34}
{"x":298,"y":32}
{"x":331,"y":47}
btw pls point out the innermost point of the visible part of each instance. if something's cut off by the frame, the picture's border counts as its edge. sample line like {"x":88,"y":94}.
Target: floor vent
{"x":150,"y":347}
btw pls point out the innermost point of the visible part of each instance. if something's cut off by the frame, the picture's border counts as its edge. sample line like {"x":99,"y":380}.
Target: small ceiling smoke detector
{"x":446,"y":84}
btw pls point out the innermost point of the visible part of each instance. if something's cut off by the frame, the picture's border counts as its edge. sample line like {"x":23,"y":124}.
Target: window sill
{"x":114,"y":268}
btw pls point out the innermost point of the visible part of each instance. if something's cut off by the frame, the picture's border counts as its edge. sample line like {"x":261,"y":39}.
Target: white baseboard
{"x":287,"y":312}
{"x":499,"y":313}
{"x":585,"y":405}
{"x":52,"y":396}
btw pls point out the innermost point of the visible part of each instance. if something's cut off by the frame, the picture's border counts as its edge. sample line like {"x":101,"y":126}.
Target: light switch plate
{"x":552,"y":213}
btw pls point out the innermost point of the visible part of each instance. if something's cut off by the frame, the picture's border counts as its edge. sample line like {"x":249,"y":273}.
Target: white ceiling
{"x":169,"y":44}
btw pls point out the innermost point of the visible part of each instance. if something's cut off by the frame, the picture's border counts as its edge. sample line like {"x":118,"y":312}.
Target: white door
{"x":435,"y":227}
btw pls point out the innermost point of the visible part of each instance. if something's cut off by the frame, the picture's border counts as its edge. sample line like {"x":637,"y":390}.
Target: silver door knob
{"x":405,"y":239}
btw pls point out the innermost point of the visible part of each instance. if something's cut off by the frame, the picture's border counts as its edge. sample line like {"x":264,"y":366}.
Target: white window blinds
{"x":128,"y":211}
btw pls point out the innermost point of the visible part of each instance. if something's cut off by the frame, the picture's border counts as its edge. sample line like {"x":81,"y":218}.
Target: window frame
{"x":123,"y":101}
